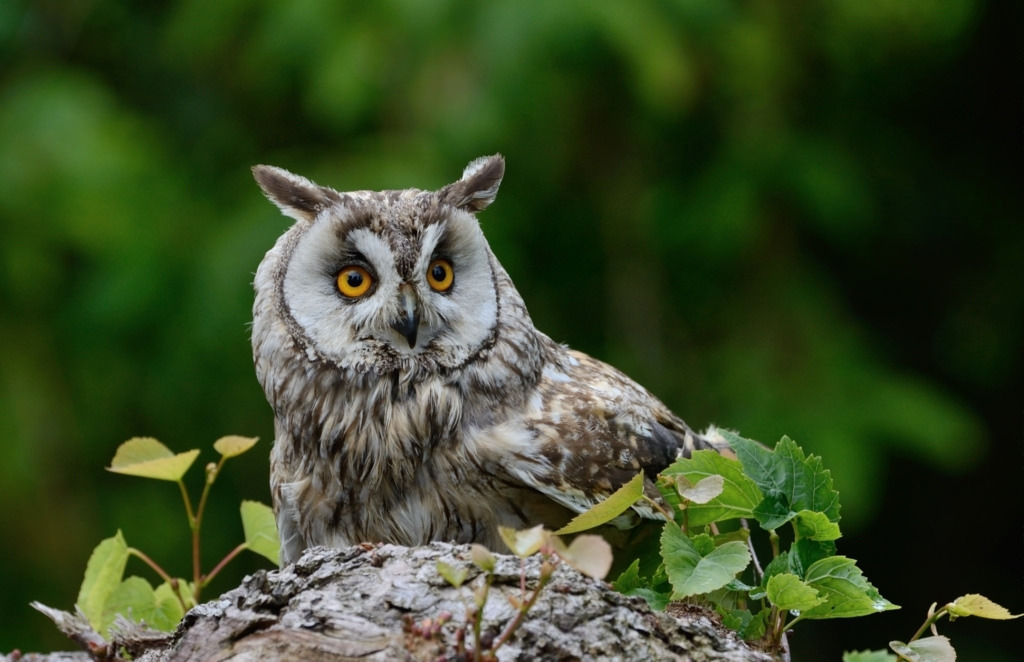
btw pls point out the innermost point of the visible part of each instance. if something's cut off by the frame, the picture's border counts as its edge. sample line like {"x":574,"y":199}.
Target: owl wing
{"x":595,"y":429}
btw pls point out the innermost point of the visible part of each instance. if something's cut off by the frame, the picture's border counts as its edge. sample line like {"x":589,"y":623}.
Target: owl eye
{"x":354,"y":281}
{"x":440,"y":275}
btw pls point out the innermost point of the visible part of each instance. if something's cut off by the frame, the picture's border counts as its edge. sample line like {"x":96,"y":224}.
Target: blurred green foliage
{"x":793,"y":218}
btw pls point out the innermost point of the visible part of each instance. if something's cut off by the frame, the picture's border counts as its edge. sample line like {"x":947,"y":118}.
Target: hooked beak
{"x":408,"y":323}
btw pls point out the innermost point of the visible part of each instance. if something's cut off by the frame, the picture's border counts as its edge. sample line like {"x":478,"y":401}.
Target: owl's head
{"x":384,"y":280}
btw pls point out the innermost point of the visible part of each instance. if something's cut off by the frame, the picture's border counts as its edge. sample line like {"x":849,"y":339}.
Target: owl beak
{"x":409,"y":322}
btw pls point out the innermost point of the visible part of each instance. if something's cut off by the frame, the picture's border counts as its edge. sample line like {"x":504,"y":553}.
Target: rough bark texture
{"x":359,"y":603}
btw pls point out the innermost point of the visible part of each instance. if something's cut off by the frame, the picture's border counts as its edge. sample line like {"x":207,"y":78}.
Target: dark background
{"x":783,"y":218}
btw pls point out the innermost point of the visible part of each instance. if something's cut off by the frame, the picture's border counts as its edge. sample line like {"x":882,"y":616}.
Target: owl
{"x":413,"y":398}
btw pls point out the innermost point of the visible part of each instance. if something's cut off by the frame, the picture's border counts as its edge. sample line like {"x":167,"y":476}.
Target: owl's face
{"x":387,"y":280}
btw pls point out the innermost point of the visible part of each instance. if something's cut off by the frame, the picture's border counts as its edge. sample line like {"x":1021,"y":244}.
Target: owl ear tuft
{"x":296,"y":196}
{"x":478,"y":186}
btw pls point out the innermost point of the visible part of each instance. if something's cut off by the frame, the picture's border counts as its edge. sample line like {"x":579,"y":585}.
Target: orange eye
{"x":354,"y":281}
{"x":440,"y":275}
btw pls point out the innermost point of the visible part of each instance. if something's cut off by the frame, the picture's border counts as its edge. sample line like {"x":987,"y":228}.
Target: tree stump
{"x":360,"y":603}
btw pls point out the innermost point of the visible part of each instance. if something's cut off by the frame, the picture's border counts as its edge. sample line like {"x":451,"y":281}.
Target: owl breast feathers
{"x":413,"y":398}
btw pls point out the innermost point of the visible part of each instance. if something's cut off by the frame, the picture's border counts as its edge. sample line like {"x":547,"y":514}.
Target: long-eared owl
{"x":413,"y":398}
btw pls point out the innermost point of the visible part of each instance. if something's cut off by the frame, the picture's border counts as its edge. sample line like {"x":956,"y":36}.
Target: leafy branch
{"x":707,"y":552}
{"x":935,"y":648}
{"x":105,"y":592}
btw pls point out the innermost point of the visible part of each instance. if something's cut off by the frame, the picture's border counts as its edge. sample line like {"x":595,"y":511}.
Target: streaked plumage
{"x":409,"y":413}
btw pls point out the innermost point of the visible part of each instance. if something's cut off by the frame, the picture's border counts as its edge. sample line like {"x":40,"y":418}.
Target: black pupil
{"x":355,"y":279}
{"x":439,"y":273}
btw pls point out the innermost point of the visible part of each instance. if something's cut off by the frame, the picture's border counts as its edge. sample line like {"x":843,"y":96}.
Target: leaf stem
{"x":193,"y":525}
{"x":210,"y":477}
{"x":196,"y":522}
{"x":789,"y":626}
{"x":758,"y":571}
{"x":932,"y":620}
{"x":779,"y":625}
{"x":188,"y":504}
{"x":193,"y":528}
{"x":460,"y":636}
{"x":207,"y":578}
{"x":523,"y":609}
{"x":478,"y":616}
{"x":160,"y":571}
{"x":658,"y":507}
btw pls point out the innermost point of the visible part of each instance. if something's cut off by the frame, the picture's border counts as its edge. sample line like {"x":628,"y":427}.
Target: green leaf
{"x":168,"y":612}
{"x":773,"y":511}
{"x":869,"y":656}
{"x":737,"y":585}
{"x":757,"y":627}
{"x":147,"y":457}
{"x":741,"y":535}
{"x":657,"y":600}
{"x":846,"y":591}
{"x":261,"y":530}
{"x":451,"y":574}
{"x":736,"y":619}
{"x":694,"y":568}
{"x":629,"y":578}
{"x":758,"y":462}
{"x":703,"y":543}
{"x":928,"y":649}
{"x":187,"y":591}
{"x":776,"y":566}
{"x":805,"y":552}
{"x":233,"y":445}
{"x":103,"y":575}
{"x":790,"y":481}
{"x":727,"y":597}
{"x":747,"y":625}
{"x":133,"y":598}
{"x":739,"y":493}
{"x":608,"y":509}
{"x":631,"y":583}
{"x":526,"y":542}
{"x":973,"y":604}
{"x":788,"y":592}
{"x":811,"y":485}
{"x":814,"y":525}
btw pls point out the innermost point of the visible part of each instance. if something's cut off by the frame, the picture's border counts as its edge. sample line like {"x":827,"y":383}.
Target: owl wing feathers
{"x":596,"y":429}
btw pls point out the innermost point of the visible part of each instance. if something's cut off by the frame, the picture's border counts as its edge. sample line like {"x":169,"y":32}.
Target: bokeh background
{"x":785,"y":218}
